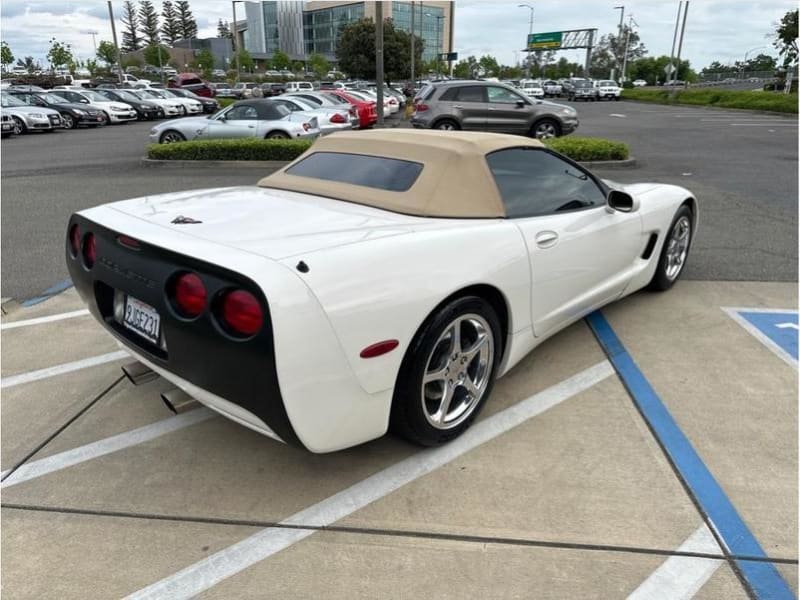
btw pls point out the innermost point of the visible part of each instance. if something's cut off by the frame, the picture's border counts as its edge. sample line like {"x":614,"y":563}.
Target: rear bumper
{"x":291,"y":381}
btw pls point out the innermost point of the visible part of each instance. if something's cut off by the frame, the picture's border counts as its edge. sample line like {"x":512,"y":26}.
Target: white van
{"x":299,"y":86}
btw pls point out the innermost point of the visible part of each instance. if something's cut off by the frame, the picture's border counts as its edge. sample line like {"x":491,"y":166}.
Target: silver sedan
{"x":330,"y":119}
{"x":262,"y":118}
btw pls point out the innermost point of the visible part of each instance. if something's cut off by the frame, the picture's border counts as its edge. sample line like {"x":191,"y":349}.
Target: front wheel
{"x":171,"y":136}
{"x":19,"y":126}
{"x":545,"y":129}
{"x":674,"y":252}
{"x":447,"y":373}
{"x":69,"y":121}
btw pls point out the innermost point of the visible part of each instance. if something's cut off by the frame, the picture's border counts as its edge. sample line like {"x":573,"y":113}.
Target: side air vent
{"x":651,"y":244}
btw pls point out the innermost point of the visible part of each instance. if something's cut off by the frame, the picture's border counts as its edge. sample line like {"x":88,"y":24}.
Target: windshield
{"x":304,"y":104}
{"x":582,"y":84}
{"x":94,"y":96}
{"x":8,"y":100}
{"x":608,"y":83}
{"x":53,"y":99}
{"x":148,"y":94}
{"x":128,"y":96}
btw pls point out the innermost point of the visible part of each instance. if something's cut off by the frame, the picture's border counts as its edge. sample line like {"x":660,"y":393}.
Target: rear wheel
{"x":277,"y":135}
{"x":446,"y":125}
{"x":19,"y":126}
{"x":545,"y":128}
{"x":170,"y":136}
{"x":447,"y":373}
{"x":675,"y":251}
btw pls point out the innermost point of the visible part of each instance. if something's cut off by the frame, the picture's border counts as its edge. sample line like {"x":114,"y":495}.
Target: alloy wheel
{"x":678,"y":247}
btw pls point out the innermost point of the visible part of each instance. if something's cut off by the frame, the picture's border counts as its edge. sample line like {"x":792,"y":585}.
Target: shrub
{"x":250,"y":149}
{"x":758,"y":100}
{"x":586,"y":149}
{"x":576,"y":148}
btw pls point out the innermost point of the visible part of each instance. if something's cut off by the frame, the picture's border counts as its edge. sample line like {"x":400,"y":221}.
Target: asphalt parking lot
{"x":572,"y":485}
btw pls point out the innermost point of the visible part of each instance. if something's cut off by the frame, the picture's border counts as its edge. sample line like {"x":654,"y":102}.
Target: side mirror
{"x":84,"y":101}
{"x":622,"y":202}
{"x":520,"y":104}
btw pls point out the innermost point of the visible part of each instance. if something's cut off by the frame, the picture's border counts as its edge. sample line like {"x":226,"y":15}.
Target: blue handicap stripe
{"x":763,"y":578}
{"x":779,"y":326}
{"x":48,"y":293}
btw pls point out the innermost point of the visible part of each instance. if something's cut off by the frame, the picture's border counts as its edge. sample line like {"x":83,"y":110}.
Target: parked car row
{"x":33,"y":109}
{"x":576,"y":88}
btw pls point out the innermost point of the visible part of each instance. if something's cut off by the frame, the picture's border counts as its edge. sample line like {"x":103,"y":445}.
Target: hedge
{"x":249,"y":149}
{"x":576,"y":148}
{"x":759,"y":100}
{"x":587,"y":149}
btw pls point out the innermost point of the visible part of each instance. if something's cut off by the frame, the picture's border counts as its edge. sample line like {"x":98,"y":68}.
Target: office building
{"x":301,"y":29}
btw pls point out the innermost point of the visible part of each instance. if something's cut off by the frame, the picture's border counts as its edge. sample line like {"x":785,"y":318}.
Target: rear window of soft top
{"x":390,"y":174}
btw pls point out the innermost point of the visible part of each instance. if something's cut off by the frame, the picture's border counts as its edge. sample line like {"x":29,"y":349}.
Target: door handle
{"x":546,"y":239}
{"x":251,"y":126}
{"x":457,"y":106}
{"x":490,"y":108}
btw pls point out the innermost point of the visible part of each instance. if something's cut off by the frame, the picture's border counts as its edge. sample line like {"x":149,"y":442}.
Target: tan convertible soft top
{"x":455,"y":180}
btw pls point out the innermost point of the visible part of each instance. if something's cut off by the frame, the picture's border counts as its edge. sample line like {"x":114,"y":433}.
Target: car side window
{"x":471,"y":93}
{"x":533,"y":182}
{"x":498,"y":95}
{"x":242,"y":113}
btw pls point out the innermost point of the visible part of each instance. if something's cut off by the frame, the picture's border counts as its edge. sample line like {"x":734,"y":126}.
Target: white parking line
{"x":48,"y":319}
{"x":62,"y":460}
{"x":682,"y":576}
{"x":212,"y":570}
{"x":7,"y":382}
{"x":763,"y":125}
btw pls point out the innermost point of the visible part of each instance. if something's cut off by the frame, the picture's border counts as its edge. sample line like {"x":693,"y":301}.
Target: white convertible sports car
{"x":383,"y":279}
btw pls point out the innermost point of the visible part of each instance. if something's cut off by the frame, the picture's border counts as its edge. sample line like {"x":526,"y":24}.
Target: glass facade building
{"x":321,"y":27}
{"x":301,"y":29}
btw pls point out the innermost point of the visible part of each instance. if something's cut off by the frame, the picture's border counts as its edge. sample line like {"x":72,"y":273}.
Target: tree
{"x":28,"y":64}
{"x":188,"y":25}
{"x":59,"y":54}
{"x":171,"y":27}
{"x":298,"y":66}
{"x":786,"y":38}
{"x":92,"y":67}
{"x":107,"y":52}
{"x":204,"y":62}
{"x":319,"y":65}
{"x":281,"y":60}
{"x":652,"y":70}
{"x":6,"y":57}
{"x":355,"y":50}
{"x":245,"y":60}
{"x":130,"y":31}
{"x":610,"y":52}
{"x":224,"y":29}
{"x":148,"y":23}
{"x":488,"y":66}
{"x":156,"y":55}
{"x":466,"y":68}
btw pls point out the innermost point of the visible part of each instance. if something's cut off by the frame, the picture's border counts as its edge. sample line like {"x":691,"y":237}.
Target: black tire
{"x":70,"y":122}
{"x":278,"y":135}
{"x":616,"y":98}
{"x":545,"y":128}
{"x":108,"y":118}
{"x":170,"y":136}
{"x":408,"y":416}
{"x":446,"y":125}
{"x":19,"y":126}
{"x":662,"y":278}
{"x":184,"y":112}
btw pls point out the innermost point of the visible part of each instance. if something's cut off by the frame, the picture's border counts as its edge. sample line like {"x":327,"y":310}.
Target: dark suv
{"x":490,"y":106}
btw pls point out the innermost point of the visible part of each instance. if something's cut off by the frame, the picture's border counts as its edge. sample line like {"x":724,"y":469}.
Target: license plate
{"x":142,"y":319}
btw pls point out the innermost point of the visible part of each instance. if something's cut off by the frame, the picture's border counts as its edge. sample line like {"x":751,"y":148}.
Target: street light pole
{"x":413,"y":50}
{"x":527,"y":47}
{"x":234,"y":41}
{"x":746,"y":54}
{"x":114,"y":36}
{"x":619,"y":35}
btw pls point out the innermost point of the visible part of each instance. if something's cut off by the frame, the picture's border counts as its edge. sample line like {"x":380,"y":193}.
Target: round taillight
{"x":241,"y":313}
{"x":189,"y":295}
{"x":89,"y":250}
{"x":338,"y":118}
{"x":75,"y":239}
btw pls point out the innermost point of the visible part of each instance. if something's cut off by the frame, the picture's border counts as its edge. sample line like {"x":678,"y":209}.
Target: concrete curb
{"x":260,"y":164}
{"x":279,"y":164}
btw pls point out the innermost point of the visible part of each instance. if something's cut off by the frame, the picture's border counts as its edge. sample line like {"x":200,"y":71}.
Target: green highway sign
{"x":544,"y":41}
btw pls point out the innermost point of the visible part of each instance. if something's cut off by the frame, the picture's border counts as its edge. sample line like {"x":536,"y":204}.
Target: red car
{"x":367,"y":113}
{"x":193,"y":83}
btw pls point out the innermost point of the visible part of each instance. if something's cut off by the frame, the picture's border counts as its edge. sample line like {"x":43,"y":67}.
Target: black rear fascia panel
{"x":198,"y":350}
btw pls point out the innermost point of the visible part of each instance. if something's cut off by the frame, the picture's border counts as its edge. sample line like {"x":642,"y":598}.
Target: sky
{"x":715,"y":30}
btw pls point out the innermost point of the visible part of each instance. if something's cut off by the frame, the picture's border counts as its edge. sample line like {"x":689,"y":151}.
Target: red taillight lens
{"x":75,"y":239}
{"x":189,"y":295}
{"x":420,"y":107}
{"x":338,"y":118}
{"x":241,"y":313}
{"x":89,"y":250}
